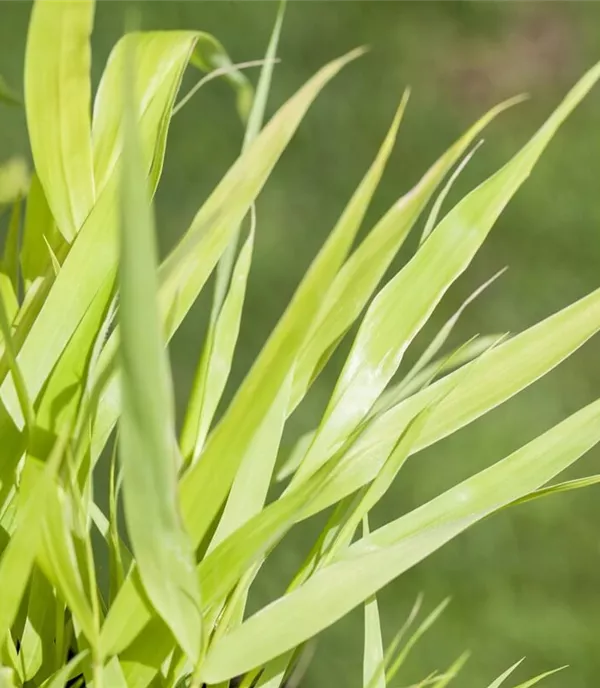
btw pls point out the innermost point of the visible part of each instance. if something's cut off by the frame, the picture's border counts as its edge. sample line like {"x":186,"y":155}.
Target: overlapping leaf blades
{"x":67,"y":374}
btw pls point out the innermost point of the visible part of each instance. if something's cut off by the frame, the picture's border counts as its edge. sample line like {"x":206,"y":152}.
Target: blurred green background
{"x":525,"y":582}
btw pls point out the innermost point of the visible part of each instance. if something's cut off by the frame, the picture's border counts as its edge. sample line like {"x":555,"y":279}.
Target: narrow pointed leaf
{"x":57,"y":103}
{"x":362,"y":272}
{"x":406,"y":302}
{"x":146,"y":440}
{"x":375,"y":560}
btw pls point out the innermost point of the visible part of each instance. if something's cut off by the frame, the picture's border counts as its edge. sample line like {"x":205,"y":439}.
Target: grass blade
{"x":505,"y":370}
{"x":226,"y":313}
{"x":18,"y":558}
{"x":373,"y":658}
{"x":147,"y":449}
{"x":57,"y":104}
{"x":406,"y":302}
{"x":362,"y":272}
{"x":373,"y":561}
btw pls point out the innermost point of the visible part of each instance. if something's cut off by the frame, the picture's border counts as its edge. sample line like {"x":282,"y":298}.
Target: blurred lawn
{"x":525,"y":582}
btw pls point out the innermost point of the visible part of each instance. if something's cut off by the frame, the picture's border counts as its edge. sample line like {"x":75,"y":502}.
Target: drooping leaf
{"x":209,"y":54}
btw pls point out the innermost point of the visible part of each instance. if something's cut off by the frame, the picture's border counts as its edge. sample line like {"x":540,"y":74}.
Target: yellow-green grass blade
{"x":373,"y":656}
{"x":14,"y":367}
{"x":58,"y":556}
{"x":182,"y":276}
{"x":504,"y":675}
{"x":420,"y":631}
{"x":250,"y":487}
{"x":251,"y":406}
{"x":374,"y":561}
{"x":184,"y":273}
{"x":91,"y":262}
{"x":162,"y":58}
{"x":57,"y":104}
{"x":60,"y":678}
{"x":412,"y":383}
{"x":559,"y":488}
{"x":452,"y":672}
{"x":536,"y":679}
{"x":18,"y":558}
{"x":437,"y":206}
{"x":218,"y":572}
{"x":210,"y":55}
{"x":362,"y":272}
{"x":160,"y":545}
{"x":10,"y":257}
{"x":39,"y":228}
{"x":217,"y":356}
{"x":10,"y":659}
{"x":402,"y":307}
{"x":505,"y":370}
{"x":437,"y":342}
{"x":36,"y":652}
{"x":226,"y":312}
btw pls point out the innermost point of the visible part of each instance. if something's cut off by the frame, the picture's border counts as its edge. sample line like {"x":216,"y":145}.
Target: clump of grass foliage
{"x":86,"y":315}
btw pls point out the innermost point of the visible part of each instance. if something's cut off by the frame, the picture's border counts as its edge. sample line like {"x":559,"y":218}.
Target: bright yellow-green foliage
{"x":86,"y":313}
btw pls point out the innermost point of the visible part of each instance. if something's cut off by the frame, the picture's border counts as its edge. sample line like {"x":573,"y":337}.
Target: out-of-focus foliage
{"x":525,"y":581}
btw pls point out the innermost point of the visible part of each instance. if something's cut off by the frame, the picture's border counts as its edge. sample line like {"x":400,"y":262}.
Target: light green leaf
{"x":372,"y":562}
{"x":58,"y":556}
{"x":217,"y":356}
{"x":416,"y":381}
{"x":62,"y":676}
{"x":10,"y":257}
{"x":162,"y":57}
{"x":362,"y":272}
{"x":37,"y":640}
{"x":373,"y":658}
{"x":406,"y":302}
{"x":504,"y":371}
{"x":160,"y":545}
{"x":13,"y":364}
{"x":500,"y":680}
{"x":540,"y":677}
{"x":388,"y":399}
{"x":437,"y":206}
{"x":209,"y":55}
{"x":38,"y":229}
{"x":57,"y":104}
{"x":18,"y":558}
{"x":226,"y":311}
{"x":91,"y":262}
{"x":422,"y":628}
{"x":559,"y":488}
{"x":186,"y":270}
{"x":452,"y":672}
